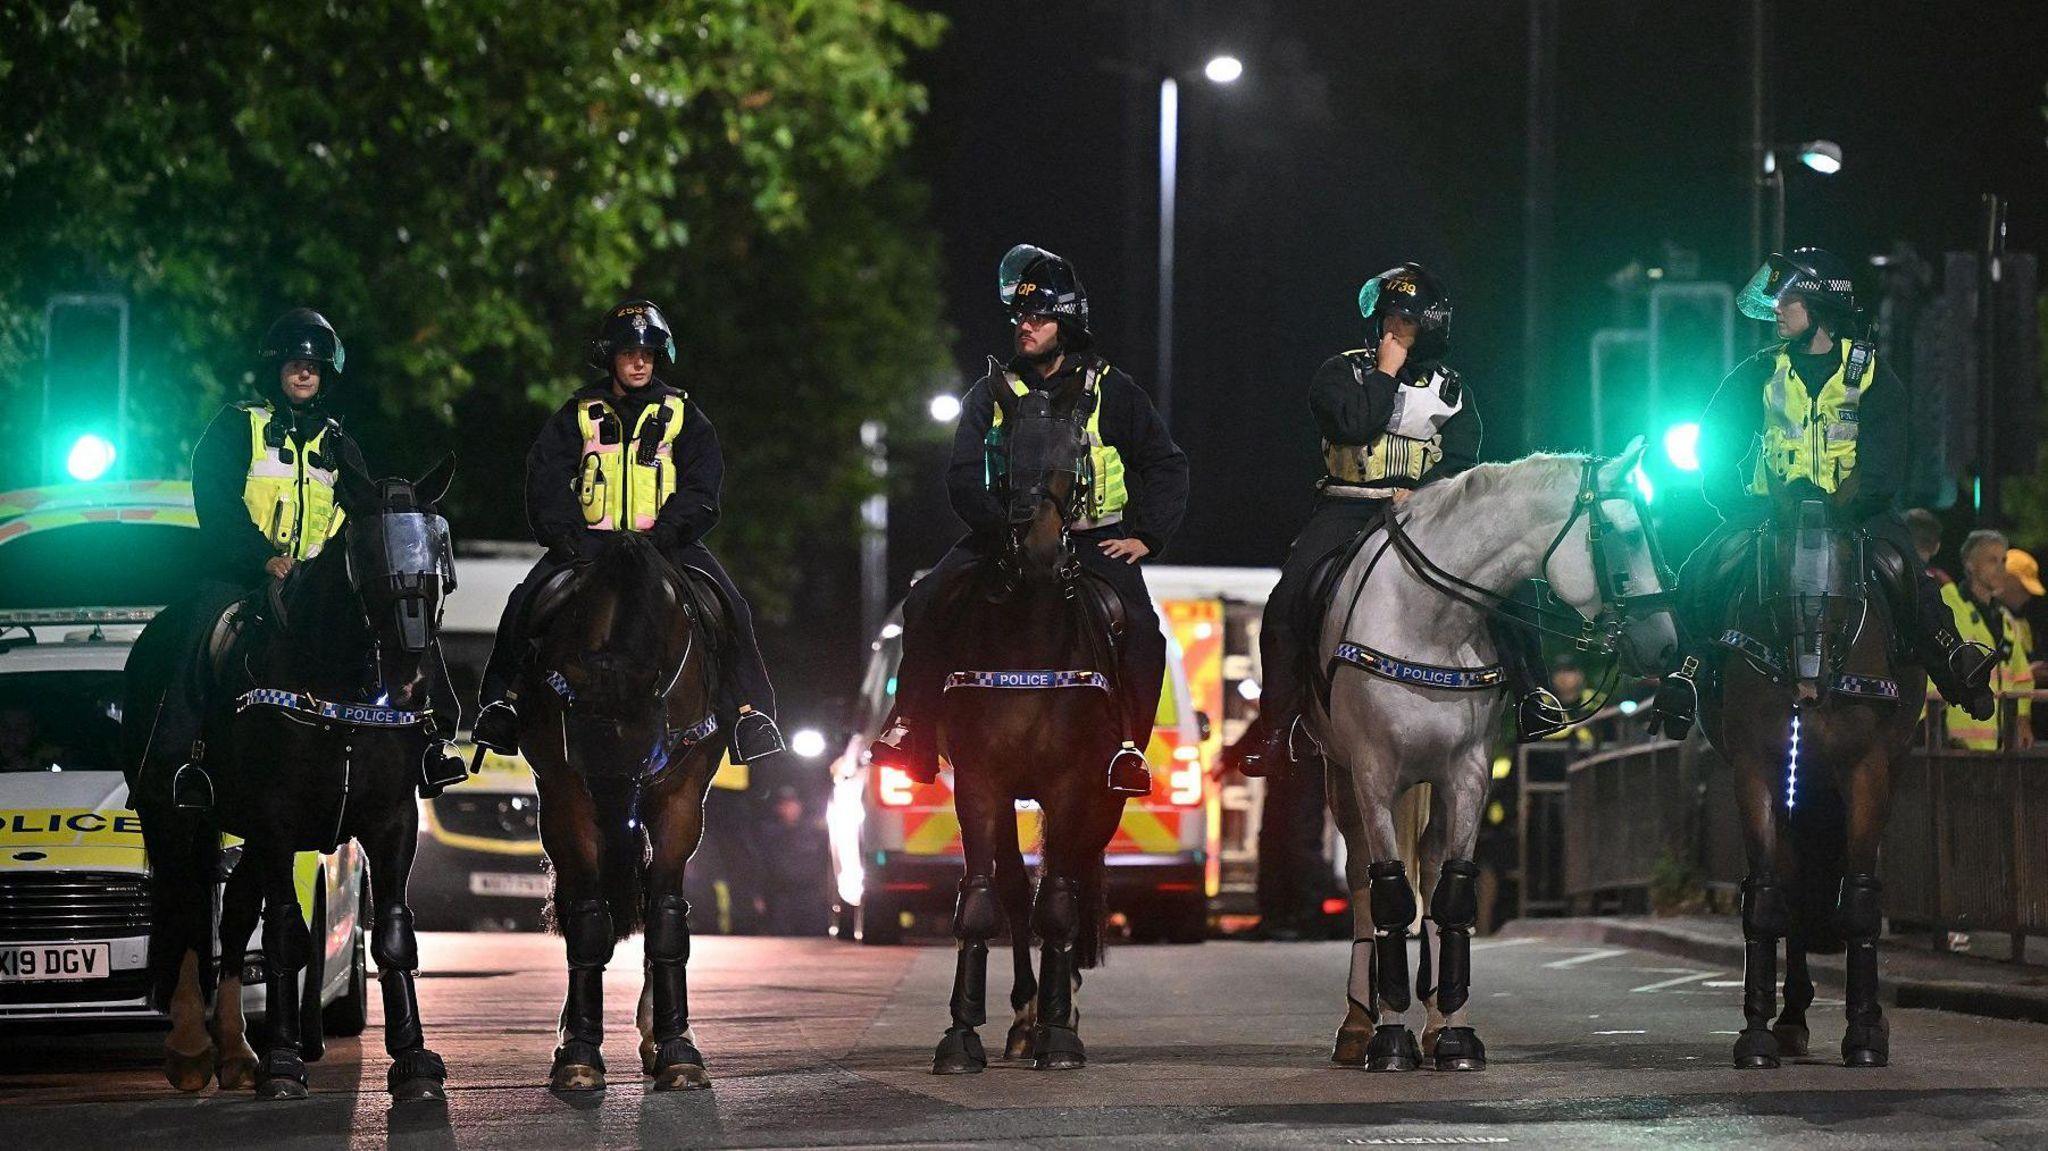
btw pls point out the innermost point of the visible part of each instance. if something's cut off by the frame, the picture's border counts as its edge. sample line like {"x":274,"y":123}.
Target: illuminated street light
{"x":1223,"y":69}
{"x":1823,"y":156}
{"x":89,"y":459}
{"x":807,"y":742}
{"x":945,"y":407}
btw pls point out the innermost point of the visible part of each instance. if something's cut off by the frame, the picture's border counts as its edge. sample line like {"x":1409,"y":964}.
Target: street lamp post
{"x":1822,"y":156}
{"x":1219,"y":70}
{"x":874,"y":515}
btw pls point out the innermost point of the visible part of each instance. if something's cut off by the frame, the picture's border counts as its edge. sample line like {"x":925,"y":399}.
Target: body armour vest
{"x":290,"y":486}
{"x":1107,"y":492}
{"x":1807,"y":436}
{"x":1413,"y":441}
{"x":624,"y":479}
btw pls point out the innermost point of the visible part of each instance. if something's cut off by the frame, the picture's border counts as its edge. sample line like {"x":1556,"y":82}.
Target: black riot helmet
{"x":1408,"y":291}
{"x":1819,"y":277}
{"x":633,"y":324}
{"x":1035,"y":282}
{"x":302,"y":334}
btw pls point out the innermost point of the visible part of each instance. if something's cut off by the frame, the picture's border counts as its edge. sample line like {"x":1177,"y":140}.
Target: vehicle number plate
{"x":514,"y":883}
{"x":54,"y":962}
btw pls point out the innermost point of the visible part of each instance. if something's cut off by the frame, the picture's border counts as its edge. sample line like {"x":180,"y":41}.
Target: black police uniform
{"x":1156,"y":478}
{"x":555,"y":514}
{"x":1351,"y":406}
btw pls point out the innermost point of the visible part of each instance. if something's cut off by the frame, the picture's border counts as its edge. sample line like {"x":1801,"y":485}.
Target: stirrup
{"x":496,"y":730}
{"x":1676,"y":707}
{"x":1539,"y":715}
{"x":755,"y":737}
{"x":191,"y":788}
{"x":1128,"y":772}
{"x":441,"y":768}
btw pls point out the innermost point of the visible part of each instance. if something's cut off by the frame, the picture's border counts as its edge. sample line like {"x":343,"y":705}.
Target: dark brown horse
{"x":1029,"y":714}
{"x":1816,"y":700}
{"x":623,"y":739}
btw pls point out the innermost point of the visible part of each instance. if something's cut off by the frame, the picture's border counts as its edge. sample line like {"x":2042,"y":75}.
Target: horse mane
{"x":323,"y":626}
{"x":629,"y":569}
{"x":1482,"y":481}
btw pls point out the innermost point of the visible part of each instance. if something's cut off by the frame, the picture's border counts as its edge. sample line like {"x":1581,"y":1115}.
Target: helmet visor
{"x":1777,"y":279}
{"x":1011,"y":272}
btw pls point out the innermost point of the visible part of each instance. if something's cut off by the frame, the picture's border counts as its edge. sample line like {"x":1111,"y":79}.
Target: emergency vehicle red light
{"x":1335,"y":905}
{"x":893,"y":786}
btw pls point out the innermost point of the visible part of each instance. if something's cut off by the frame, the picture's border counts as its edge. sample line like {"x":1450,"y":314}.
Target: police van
{"x":896,"y":853}
{"x":74,"y":904}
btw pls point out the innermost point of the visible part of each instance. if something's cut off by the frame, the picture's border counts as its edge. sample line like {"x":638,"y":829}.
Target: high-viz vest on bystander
{"x":624,"y":479}
{"x":2012,"y":679}
{"x":1107,"y":492}
{"x":1810,"y":436}
{"x":290,"y":487}
{"x":1413,"y":441}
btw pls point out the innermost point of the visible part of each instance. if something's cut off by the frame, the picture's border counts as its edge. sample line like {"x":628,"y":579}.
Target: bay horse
{"x":1814,"y":699}
{"x":1414,"y":693}
{"x":317,"y":730}
{"x":623,"y":738}
{"x":1029,"y":713}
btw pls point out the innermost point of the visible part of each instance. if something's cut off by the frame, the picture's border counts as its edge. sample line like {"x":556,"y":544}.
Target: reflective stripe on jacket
{"x":1107,"y":492}
{"x":623,"y":480}
{"x":2012,"y":677}
{"x":1413,"y":441}
{"x":290,"y":487}
{"x":1808,"y":436}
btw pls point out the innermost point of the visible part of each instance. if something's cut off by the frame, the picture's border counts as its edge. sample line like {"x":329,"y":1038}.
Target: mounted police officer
{"x":263,"y":486}
{"x":629,"y":452}
{"x":1818,"y":412}
{"x":1393,"y":417}
{"x":1138,"y":496}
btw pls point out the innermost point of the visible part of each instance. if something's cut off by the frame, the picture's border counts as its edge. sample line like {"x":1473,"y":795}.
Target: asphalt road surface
{"x":818,"y":1043}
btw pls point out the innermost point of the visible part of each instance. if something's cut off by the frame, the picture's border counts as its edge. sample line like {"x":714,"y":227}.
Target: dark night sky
{"x":1367,"y":133}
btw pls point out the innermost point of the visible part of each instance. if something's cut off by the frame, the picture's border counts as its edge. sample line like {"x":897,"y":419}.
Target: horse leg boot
{"x":1455,"y":907}
{"x":286,"y":944}
{"x":579,"y":1064}
{"x":1867,"y":1040}
{"x":1793,"y":1036}
{"x":677,"y":1063}
{"x":416,"y":1073}
{"x":1765,"y":918}
{"x":1057,"y":918}
{"x":975,"y":919}
{"x":1393,"y":1046}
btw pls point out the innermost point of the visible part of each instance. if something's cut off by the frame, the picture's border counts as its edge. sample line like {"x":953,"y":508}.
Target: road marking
{"x":1588,"y":957}
{"x":1688,"y":977}
{"x":1621,"y":1033}
{"x":1490,"y":944}
{"x":1722,"y":983}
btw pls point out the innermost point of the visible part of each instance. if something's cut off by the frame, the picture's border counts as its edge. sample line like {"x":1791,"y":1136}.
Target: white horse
{"x":1416,"y":696}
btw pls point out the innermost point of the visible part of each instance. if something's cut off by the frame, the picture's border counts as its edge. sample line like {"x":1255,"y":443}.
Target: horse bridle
{"x":672,"y":741}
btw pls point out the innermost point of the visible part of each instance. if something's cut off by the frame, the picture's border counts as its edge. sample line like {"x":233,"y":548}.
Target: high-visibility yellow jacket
{"x":2013,"y":677}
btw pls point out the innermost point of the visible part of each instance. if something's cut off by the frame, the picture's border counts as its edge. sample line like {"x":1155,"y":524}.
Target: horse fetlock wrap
{"x":1765,"y":912}
{"x":977,"y":915}
{"x":587,"y":929}
{"x":668,"y":956}
{"x":1860,"y":912}
{"x":393,"y":943}
{"x":1454,"y":905}
{"x":1057,"y":914}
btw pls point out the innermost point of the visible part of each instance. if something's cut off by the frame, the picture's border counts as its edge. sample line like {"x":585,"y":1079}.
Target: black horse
{"x":316,"y":733}
{"x":623,"y":738}
{"x":1029,"y":713}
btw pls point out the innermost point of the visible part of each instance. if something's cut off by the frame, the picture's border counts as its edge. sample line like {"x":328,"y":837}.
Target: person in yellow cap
{"x":2022,"y":592}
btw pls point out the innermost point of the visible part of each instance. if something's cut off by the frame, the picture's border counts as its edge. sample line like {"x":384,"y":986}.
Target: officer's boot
{"x":191,"y":787}
{"x":497,"y":729}
{"x":1269,"y":744}
{"x":1960,"y":668}
{"x":1538,"y":712}
{"x":1128,"y":772}
{"x":906,"y":744}
{"x":755,"y":736}
{"x":1677,"y":705}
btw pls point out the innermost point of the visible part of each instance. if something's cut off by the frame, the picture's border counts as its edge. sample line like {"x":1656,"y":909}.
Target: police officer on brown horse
{"x":1138,"y":493}
{"x":629,"y":452}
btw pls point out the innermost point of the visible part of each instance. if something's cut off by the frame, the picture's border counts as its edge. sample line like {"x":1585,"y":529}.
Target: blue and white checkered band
{"x":350,"y":714}
{"x":697,"y":733}
{"x":1868,"y":687}
{"x":1386,"y":666}
{"x":1755,"y":652}
{"x":1027,"y":680}
{"x":561,"y":686}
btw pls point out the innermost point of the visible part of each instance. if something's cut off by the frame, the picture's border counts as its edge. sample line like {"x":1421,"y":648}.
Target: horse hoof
{"x":682,"y":1077}
{"x":1393,"y":1048}
{"x":959,"y":1053}
{"x":1794,"y":1039}
{"x":189,"y":1072}
{"x":1351,"y":1046}
{"x":1459,"y":1049}
{"x":279,"y":1087}
{"x":647,"y":1049}
{"x":237,"y":1073}
{"x":576,"y":1077}
{"x":1756,"y":1050}
{"x":1018,"y":1044}
{"x":422,"y":1090}
{"x":1059,"y":1049}
{"x":1867,"y":1044}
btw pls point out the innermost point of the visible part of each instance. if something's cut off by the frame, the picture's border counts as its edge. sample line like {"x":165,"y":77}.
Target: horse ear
{"x":358,"y":490}
{"x":1621,"y":465}
{"x":434,"y":485}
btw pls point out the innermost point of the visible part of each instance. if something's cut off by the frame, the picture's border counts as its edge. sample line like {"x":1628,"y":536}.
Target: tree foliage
{"x":463,"y":186}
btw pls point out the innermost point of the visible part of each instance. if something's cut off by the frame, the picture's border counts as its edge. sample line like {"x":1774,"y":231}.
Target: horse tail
{"x":1091,"y":942}
{"x":183,"y":849}
{"x":621,"y":853}
{"x":1820,"y":834}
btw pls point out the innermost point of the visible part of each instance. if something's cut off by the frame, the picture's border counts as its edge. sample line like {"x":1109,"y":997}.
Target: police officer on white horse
{"x":629,"y":452}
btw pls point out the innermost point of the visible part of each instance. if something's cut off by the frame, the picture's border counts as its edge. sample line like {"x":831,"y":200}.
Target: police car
{"x":480,"y":862}
{"x":74,"y":906}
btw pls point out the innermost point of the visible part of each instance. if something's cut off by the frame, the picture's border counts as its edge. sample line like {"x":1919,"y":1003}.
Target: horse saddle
{"x":699,"y":593}
{"x":229,"y":632}
{"x":1101,"y":607}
